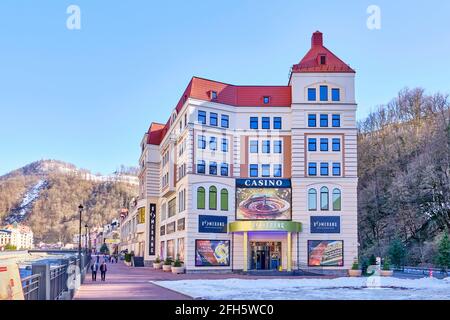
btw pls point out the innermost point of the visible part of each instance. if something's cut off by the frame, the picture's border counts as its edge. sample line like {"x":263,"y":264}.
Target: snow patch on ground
{"x":374,"y":288}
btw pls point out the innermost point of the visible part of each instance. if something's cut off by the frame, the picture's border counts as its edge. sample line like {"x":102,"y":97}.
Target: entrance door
{"x":265,"y":255}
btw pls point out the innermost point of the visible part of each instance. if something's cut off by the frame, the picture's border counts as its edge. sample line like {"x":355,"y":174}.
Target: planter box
{"x":387,"y":273}
{"x":178,"y":270}
{"x":127,"y":263}
{"x":157,"y":266}
{"x":354,"y":273}
{"x":167,"y":268}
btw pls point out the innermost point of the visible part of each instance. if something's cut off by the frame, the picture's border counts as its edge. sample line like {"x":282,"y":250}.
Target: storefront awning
{"x":244,"y":226}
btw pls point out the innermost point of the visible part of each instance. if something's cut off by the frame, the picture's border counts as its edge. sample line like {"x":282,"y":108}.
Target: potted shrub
{"x":167,"y":266}
{"x":355,"y":271}
{"x":128,"y":259}
{"x":386,"y":269}
{"x":178,"y":266}
{"x":157,"y":263}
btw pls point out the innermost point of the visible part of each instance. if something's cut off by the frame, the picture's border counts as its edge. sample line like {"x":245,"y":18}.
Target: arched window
{"x":337,"y":199}
{"x":324,"y":199}
{"x":312,"y":199}
{"x":201,"y":194}
{"x":212,"y":198}
{"x":224,"y":200}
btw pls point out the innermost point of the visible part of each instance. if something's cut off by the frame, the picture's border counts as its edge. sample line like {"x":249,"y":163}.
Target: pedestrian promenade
{"x":127,"y":283}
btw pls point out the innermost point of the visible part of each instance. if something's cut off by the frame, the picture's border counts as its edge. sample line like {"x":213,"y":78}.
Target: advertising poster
{"x":10,"y":284}
{"x":212,"y":253}
{"x":263,"y":199}
{"x":325,"y":253}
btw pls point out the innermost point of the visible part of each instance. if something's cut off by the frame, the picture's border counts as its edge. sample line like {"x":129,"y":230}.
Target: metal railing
{"x":55,"y":282}
{"x":30,"y":287}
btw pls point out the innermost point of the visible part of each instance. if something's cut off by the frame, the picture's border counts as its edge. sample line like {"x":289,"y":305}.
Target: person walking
{"x":94,"y":269}
{"x":98,"y":258}
{"x":103,"y":269}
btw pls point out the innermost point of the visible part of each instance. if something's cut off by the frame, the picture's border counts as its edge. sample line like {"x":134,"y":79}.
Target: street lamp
{"x":86,"y":238}
{"x":80,"y":208}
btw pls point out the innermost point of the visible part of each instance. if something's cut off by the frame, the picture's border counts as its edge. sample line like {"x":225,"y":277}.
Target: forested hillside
{"x":404,"y":170}
{"x":52,"y":212}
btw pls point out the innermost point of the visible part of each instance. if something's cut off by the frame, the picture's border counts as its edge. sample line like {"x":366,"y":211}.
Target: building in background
{"x":16,"y":235}
{"x":253,"y":177}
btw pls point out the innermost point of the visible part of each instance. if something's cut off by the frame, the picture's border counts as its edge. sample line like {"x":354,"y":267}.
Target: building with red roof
{"x":254,"y":177}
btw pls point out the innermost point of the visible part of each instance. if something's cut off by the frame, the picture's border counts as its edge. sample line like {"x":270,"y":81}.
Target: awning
{"x":244,"y":226}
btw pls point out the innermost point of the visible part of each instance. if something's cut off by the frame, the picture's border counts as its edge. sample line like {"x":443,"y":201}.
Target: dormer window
{"x":266,"y":99}
{"x":213,"y":95}
{"x":323,"y":59}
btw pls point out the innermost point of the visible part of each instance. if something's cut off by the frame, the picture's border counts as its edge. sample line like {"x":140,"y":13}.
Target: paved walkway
{"x":126,"y":283}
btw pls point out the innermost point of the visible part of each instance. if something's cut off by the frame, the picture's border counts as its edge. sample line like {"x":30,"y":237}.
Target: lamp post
{"x":86,"y":238}
{"x":80,"y":208}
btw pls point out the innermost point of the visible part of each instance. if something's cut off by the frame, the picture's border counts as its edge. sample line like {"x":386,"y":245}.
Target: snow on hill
{"x":20,"y":213}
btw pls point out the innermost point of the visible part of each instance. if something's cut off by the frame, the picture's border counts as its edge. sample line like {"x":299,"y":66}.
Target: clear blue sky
{"x":88,"y":96}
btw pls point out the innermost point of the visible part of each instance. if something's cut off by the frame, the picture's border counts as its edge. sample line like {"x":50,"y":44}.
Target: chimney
{"x":317,"y":39}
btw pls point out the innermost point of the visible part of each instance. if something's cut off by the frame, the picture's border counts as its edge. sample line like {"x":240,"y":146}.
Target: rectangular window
{"x":312,"y":169}
{"x":224,"y":169}
{"x":336,"y":120}
{"x":277,"y":146}
{"x":266,"y":100}
{"x":323,"y":93}
{"x":266,"y":170}
{"x":202,"y":142}
{"x":336,"y":169}
{"x":312,"y":94}
{"x":201,"y":167}
{"x":277,"y":170}
{"x":336,"y":144}
{"x":253,"y":122}
{"x":335,"y":94}
{"x":312,"y":144}
{"x":254,"y":170}
{"x":277,"y":123}
{"x":225,"y":121}
{"x":323,"y":120}
{"x":213,"y":119}
{"x":213,"y":168}
{"x":253,"y":146}
{"x":213,"y":144}
{"x":324,"y":169}
{"x":266,"y":146}
{"x":172,"y":207}
{"x":213,"y":95}
{"x":224,"y":145}
{"x":323,"y":144}
{"x":266,"y":123}
{"x":311,"y":120}
{"x":202,"y":117}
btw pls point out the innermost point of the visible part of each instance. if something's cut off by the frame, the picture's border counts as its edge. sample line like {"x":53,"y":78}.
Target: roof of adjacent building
{"x":252,"y":96}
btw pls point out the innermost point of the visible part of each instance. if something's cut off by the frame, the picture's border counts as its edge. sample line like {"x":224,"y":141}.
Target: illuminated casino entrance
{"x":265,"y":255}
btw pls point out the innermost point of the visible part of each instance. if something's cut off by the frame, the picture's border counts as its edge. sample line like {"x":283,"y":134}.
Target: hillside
{"x":45,"y":195}
{"x":404,"y":170}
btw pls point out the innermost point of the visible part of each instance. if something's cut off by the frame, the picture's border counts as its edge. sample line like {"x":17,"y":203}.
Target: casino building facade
{"x":256,"y":177}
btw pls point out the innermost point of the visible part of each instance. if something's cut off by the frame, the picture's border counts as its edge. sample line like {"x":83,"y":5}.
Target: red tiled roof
{"x":238,"y":96}
{"x":311,"y":61}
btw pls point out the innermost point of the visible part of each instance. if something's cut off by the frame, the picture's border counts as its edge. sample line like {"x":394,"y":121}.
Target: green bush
{"x":168,"y":261}
{"x":157,"y":260}
{"x":355,"y":265}
{"x":128,"y":257}
{"x":443,"y":254}
{"x":177,"y":262}
{"x":386,"y":264}
{"x":10,"y":247}
{"x":397,"y":253}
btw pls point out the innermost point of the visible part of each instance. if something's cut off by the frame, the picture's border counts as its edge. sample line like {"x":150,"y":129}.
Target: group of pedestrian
{"x":95,"y":267}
